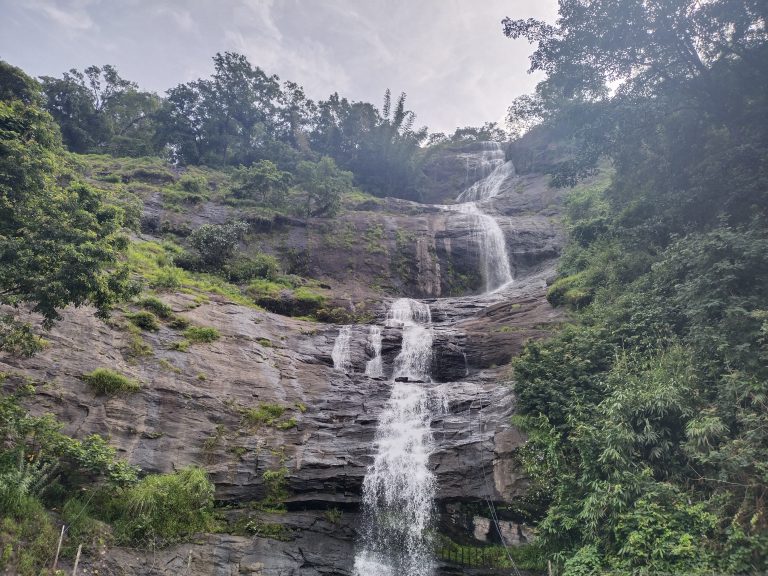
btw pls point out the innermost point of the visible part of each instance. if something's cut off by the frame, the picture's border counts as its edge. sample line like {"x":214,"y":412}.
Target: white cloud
{"x":180,"y":16}
{"x":72,"y":15}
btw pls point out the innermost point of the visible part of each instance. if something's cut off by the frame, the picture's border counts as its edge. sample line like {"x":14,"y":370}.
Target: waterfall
{"x":341,"y":353}
{"x":399,"y":488}
{"x":494,"y":260}
{"x":415,"y":357}
{"x":489,"y":186}
{"x":374,"y":367}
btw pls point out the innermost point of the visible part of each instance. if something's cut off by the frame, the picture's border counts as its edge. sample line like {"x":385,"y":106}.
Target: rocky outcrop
{"x":193,"y":406}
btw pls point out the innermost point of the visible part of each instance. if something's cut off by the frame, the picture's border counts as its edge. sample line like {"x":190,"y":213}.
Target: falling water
{"x":494,"y":260}
{"x":490,"y":185}
{"x":415,"y":358}
{"x":399,"y":488}
{"x":341,"y":353}
{"x":374,"y":367}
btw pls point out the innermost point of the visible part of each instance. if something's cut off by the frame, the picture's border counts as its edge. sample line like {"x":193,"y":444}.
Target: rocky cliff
{"x":194,"y":405}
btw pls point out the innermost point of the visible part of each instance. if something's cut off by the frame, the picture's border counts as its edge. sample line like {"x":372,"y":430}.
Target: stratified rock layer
{"x":191,"y":407}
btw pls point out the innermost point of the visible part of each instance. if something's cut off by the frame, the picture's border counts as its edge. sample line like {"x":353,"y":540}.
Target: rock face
{"x":192,"y":407}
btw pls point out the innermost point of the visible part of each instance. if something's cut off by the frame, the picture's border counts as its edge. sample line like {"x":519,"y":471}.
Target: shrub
{"x":246,"y":269}
{"x":144,"y":320}
{"x":196,"y":334}
{"x":165,"y":508}
{"x":106,"y":381}
{"x":156,"y":306}
{"x":193,"y":184}
{"x":178,"y":323}
{"x":189,"y":261}
{"x":216,"y":243}
{"x":264,"y":414}
{"x":288,"y":424}
{"x":180,"y":346}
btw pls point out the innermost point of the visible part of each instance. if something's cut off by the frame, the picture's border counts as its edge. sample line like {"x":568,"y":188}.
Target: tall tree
{"x":59,"y":240}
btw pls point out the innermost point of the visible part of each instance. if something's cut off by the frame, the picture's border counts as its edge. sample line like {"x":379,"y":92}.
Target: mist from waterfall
{"x":399,"y":488}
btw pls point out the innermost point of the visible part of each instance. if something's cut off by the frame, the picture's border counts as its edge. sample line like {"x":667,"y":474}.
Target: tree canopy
{"x":59,"y":239}
{"x":646,"y":416}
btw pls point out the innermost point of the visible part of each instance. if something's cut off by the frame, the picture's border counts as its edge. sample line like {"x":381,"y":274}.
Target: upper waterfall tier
{"x":492,"y":156}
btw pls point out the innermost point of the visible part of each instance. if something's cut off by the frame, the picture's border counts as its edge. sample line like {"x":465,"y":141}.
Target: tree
{"x":216,"y":243}
{"x":99,"y":111}
{"x":324,"y":183}
{"x":230,"y":118}
{"x":60,"y":240}
{"x":263,"y":182}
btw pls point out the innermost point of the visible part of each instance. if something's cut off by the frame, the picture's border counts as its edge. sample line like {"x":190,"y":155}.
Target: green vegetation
{"x":201,"y":334}
{"x":286,"y":295}
{"x":333,"y":515}
{"x":157,"y":307}
{"x":276,"y":490}
{"x":646,"y":417}
{"x":525,"y":557}
{"x":60,"y":240}
{"x":144,"y":320}
{"x":106,"y":381}
{"x":97,"y":496}
{"x":266,"y":414}
{"x":165,"y":508}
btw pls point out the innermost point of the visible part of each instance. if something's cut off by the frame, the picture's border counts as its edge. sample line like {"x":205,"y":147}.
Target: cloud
{"x":72,"y":15}
{"x":180,"y":16}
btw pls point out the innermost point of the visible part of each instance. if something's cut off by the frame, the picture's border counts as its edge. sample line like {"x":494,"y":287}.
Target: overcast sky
{"x":449,"y":56}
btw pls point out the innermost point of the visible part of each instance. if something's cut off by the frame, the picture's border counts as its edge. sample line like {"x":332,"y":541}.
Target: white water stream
{"x":374,"y":368}
{"x":341,"y":354}
{"x":399,"y":488}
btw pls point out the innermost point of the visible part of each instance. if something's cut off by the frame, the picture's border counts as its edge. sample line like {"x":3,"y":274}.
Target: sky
{"x":449,"y":56}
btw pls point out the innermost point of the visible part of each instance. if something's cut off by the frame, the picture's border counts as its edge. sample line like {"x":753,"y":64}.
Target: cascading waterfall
{"x":494,"y":261}
{"x":415,"y":358}
{"x":374,"y":368}
{"x":341,"y":354}
{"x":491,"y":157}
{"x":399,"y":488}
{"x":490,"y":185}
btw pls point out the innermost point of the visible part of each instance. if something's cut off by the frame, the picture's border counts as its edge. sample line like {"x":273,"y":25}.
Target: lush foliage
{"x":647,"y":417}
{"x":106,"y":381}
{"x":165,"y":508}
{"x":59,"y":238}
{"x":97,"y":495}
{"x":242,"y":116}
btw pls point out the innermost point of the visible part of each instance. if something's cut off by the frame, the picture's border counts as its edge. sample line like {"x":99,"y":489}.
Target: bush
{"x":217,"y":243}
{"x":246,"y":269}
{"x":144,"y":320}
{"x":193,"y":184}
{"x":178,"y":323}
{"x":156,"y":306}
{"x":196,"y":334}
{"x":265,"y":414}
{"x":165,"y":508}
{"x":189,"y":261}
{"x":105,"y":381}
